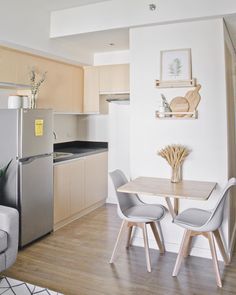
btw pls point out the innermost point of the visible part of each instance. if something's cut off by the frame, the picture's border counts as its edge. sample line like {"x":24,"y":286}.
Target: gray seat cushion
{"x":192,"y":217}
{"x":145,"y":211}
{"x":3,"y":241}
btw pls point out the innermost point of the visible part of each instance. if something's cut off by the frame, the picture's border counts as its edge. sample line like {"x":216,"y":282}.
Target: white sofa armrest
{"x":9,"y":222}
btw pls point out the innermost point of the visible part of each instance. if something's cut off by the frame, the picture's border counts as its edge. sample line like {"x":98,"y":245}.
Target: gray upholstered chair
{"x":136,"y":213}
{"x":9,"y":235}
{"x":206,"y":223}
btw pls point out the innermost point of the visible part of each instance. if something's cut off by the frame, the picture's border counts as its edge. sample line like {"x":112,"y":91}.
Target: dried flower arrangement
{"x":35,"y":84}
{"x":175,"y":155}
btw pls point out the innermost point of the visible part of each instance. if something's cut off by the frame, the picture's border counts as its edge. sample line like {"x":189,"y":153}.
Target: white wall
{"x":25,"y":25}
{"x":66,"y":128}
{"x":206,"y":136}
{"x":119,"y":140}
{"x":230,"y":59}
{"x":4,"y":93}
{"x":113,"y":127}
{"x":111,"y":58}
{"x":93,"y":127}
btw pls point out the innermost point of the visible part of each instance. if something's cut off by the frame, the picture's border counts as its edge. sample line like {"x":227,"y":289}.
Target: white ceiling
{"x":63,"y":4}
{"x":99,"y":41}
{"x":92,"y":42}
{"x":102,"y":41}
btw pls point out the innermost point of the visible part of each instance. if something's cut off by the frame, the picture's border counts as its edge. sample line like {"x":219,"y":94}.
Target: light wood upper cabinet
{"x":98,"y":80}
{"x":50,"y":94}
{"x":78,"y":88}
{"x":91,"y":90}
{"x":63,"y":87}
{"x":25,"y":63}
{"x":68,"y":88}
{"x":96,"y":174}
{"x":8,"y":61}
{"x":114,"y":79}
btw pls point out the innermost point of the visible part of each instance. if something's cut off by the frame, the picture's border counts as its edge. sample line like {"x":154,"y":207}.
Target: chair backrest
{"x":216,"y":217}
{"x":125,"y":200}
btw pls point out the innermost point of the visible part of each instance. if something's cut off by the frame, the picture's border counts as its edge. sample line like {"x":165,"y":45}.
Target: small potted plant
{"x":35,"y":83}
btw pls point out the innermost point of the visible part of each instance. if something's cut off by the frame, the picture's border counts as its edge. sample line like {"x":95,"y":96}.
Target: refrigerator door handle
{"x":31,"y":159}
{"x":36,"y":205}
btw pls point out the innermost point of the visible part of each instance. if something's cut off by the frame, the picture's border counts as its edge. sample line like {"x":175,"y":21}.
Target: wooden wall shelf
{"x":175,"y":115}
{"x":175,"y":84}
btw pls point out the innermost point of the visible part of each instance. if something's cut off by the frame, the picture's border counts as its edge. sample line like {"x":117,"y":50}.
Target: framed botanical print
{"x":176,"y":65}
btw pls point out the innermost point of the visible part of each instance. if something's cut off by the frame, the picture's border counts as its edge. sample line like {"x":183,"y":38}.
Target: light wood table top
{"x":186,"y":189}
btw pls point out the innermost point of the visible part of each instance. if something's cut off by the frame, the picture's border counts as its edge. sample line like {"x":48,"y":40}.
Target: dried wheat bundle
{"x":174,"y":154}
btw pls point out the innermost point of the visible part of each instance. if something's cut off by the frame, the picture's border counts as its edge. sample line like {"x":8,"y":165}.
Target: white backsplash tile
{"x":65,"y":127}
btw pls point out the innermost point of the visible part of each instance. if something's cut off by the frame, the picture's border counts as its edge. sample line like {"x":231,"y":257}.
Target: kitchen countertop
{"x":78,"y":149}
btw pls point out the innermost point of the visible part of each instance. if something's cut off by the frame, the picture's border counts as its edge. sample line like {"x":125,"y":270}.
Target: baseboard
{"x":174,"y":248}
{"x":111,"y":200}
{"x":232,"y":242}
{"x":78,"y":215}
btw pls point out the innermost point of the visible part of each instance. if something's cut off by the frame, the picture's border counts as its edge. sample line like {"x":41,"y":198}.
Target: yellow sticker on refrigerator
{"x":38,"y":127}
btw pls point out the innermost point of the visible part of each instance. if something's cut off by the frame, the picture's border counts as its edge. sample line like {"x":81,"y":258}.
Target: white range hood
{"x":118,"y":98}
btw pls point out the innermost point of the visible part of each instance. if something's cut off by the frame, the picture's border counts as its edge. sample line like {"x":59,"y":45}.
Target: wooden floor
{"x":74,"y":261}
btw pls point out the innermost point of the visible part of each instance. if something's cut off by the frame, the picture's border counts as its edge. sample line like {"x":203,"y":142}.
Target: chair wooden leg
{"x":219,"y":241}
{"x":214,"y":258}
{"x":118,"y":240}
{"x":159,"y":229}
{"x":157,"y":237}
{"x":146,"y":246}
{"x":129,"y":236}
{"x":188,"y":247}
{"x":182,"y":250}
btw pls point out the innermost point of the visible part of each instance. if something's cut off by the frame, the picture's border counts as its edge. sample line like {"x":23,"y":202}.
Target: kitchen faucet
{"x":55,"y":135}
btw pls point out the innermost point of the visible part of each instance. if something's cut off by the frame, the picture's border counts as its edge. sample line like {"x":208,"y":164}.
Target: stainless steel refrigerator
{"x":26,"y":137}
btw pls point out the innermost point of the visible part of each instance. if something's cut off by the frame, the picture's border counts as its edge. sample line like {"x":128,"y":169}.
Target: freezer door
{"x":9,"y":120}
{"x":36,"y":198}
{"x":35,"y":132}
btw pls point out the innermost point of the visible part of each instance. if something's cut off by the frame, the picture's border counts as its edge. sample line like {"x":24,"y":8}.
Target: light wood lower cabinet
{"x":68,"y":189}
{"x":78,"y":186}
{"x":77,"y":196}
{"x":96,"y":174}
{"x":61,"y":192}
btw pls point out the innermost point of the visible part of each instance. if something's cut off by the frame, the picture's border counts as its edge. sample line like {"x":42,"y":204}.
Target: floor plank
{"x":74,"y":261}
